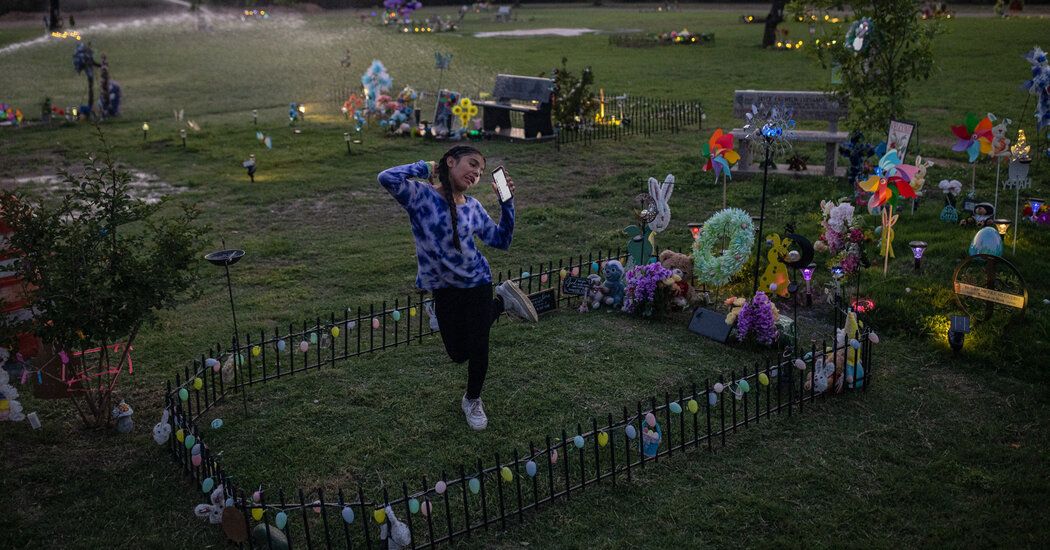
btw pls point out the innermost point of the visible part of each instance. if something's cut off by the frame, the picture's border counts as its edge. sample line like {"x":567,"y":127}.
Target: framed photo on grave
{"x":900,"y":137}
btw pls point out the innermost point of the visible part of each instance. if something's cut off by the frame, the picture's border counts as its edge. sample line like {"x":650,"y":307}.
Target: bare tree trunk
{"x":775,"y":17}
{"x":54,"y":17}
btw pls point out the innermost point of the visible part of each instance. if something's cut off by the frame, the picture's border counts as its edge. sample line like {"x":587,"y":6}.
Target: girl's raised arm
{"x":497,"y":236}
{"x":397,"y":181}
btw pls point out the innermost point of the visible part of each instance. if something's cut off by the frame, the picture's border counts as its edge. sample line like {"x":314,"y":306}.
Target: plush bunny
{"x":162,"y":430}
{"x":661,"y":193}
{"x":213,"y":511}
{"x":595,"y":292}
{"x":393,"y":535}
{"x":919,"y":179}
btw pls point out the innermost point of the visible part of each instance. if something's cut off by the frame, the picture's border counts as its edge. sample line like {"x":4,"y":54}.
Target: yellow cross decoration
{"x":466,"y":110}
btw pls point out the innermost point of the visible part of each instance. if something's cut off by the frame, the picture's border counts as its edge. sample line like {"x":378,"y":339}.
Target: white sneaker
{"x":516,"y":302}
{"x":474,"y":410}
{"x":429,"y":308}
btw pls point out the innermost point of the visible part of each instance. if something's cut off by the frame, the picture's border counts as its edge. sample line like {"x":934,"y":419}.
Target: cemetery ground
{"x":942,"y":449}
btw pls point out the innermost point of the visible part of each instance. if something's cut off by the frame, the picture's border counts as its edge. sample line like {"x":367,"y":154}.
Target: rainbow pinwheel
{"x":720,"y":154}
{"x":890,"y":181}
{"x":975,"y":136}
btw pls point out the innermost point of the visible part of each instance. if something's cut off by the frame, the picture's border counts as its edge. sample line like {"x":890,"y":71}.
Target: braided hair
{"x":456,"y":152}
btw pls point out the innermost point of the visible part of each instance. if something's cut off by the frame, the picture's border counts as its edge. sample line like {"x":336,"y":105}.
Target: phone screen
{"x":501,"y":184}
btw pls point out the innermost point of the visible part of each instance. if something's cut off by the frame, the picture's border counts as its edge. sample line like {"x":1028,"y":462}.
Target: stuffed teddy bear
{"x":595,"y":293}
{"x":614,"y":284}
{"x":680,"y":265}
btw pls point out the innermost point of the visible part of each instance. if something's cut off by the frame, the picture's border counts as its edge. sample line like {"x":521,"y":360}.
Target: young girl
{"x":444,"y":223}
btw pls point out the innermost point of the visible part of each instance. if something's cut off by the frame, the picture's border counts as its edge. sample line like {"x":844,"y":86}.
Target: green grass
{"x":942,"y":450}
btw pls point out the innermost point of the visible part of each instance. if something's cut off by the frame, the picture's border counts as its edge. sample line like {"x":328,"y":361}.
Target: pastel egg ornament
{"x":281,"y":345}
{"x":425,"y":508}
{"x":180,"y":435}
{"x":198,"y":383}
{"x":675,"y":408}
{"x":563,"y":273}
{"x":413,"y":506}
{"x":395,"y":315}
{"x":313,"y":337}
{"x":576,"y":271}
{"x":184,"y":394}
{"x":207,"y":485}
{"x":474,"y":485}
{"x":190,"y":441}
{"x":718,"y":387}
{"x":554,"y":456}
{"x":712,"y":399}
{"x":506,"y":474}
{"x":530,"y":468}
{"x":650,"y":419}
{"x":630,"y":431}
{"x":693,"y":406}
{"x":763,"y":379}
{"x":256,"y":351}
{"x":212,"y":363}
{"x":196,"y":460}
{"x":304,"y":346}
{"x":281,"y":520}
{"x":412,"y":311}
{"x":335,"y":332}
{"x":379,"y":515}
{"x":743,"y":385}
{"x":216,"y":423}
{"x":257,"y":513}
{"x":603,"y":439}
{"x":800,"y":364}
{"x":348,"y":514}
{"x":544,"y":278}
{"x":440,"y":487}
{"x":375,"y":322}
{"x":525,"y":274}
{"x":578,"y":441}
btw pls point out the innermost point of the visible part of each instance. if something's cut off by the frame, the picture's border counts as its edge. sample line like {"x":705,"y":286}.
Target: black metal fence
{"x":495,"y":491}
{"x":635,"y":115}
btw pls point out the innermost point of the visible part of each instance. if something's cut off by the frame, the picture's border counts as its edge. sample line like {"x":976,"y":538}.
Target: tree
{"x":894,"y":51}
{"x":54,"y":18}
{"x":574,"y":102}
{"x":103,"y":263}
{"x":775,"y":18}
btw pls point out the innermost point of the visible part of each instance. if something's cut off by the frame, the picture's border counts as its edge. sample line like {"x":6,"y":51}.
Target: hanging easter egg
{"x":180,"y":435}
{"x":544,"y":278}
{"x":650,"y":419}
{"x":525,"y":274}
{"x":506,"y":474}
{"x":594,"y":267}
{"x":280,"y":520}
{"x":196,"y":449}
{"x":198,"y":383}
{"x":440,"y":487}
{"x":335,"y":332}
{"x":563,"y":273}
{"x":212,"y":363}
{"x":763,"y":379}
{"x":530,"y":468}
{"x":190,"y":441}
{"x":303,"y":346}
{"x":800,"y":364}
{"x":554,"y":456}
{"x":313,"y":337}
{"x":257,"y":514}
{"x":216,"y":424}
{"x":412,"y":311}
{"x":712,"y":399}
{"x":207,"y":485}
{"x":348,"y":514}
{"x":281,"y":345}
{"x":474,"y":485}
{"x":196,"y":460}
{"x":184,"y":394}
{"x":718,"y":387}
{"x":256,"y":351}
{"x":413,"y":506}
{"x":603,"y":439}
{"x":228,"y":503}
{"x":744,"y":386}
{"x":395,"y":315}
{"x":375,"y":322}
{"x":425,"y":508}
{"x":578,"y":441}
{"x":576,"y":271}
{"x":379,"y":515}
{"x":675,"y":408}
{"x":257,"y":496}
{"x":693,"y":406}
{"x":873,"y":338}
{"x":630,"y":431}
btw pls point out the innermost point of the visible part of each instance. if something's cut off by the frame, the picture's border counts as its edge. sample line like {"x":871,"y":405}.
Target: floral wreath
{"x":734,"y":223}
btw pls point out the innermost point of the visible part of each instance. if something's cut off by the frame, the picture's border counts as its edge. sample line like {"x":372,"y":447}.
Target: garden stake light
{"x":917,"y":250}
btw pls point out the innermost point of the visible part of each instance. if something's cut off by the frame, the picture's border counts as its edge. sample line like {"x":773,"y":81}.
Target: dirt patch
{"x":528,"y":33}
{"x":143,"y":185}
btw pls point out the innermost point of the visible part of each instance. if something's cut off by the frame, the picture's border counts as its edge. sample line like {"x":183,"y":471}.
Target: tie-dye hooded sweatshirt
{"x":441,"y":265}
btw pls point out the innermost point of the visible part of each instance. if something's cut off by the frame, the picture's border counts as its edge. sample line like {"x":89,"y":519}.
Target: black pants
{"x":465,"y":316}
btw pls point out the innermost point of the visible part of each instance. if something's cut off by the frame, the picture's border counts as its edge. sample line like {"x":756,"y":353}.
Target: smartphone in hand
{"x":500,"y":177}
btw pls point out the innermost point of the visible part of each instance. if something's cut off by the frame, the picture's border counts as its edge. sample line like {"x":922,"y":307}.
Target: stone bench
{"x":525,"y":94}
{"x":803,"y":106}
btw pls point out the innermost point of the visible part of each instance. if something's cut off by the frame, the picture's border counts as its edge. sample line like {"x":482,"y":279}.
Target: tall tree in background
{"x":775,"y":17}
{"x":54,"y":18}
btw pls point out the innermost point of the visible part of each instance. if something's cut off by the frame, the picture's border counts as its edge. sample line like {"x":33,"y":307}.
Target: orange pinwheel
{"x":720,"y":154}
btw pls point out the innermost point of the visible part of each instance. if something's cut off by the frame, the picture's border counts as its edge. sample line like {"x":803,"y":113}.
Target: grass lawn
{"x":943,"y":450}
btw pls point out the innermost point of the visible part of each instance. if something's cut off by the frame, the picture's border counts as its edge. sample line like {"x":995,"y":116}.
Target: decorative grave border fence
{"x":496,"y":490}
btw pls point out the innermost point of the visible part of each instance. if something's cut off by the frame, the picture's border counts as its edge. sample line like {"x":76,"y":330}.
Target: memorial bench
{"x":525,"y":94}
{"x":503,"y":14}
{"x":803,"y":106}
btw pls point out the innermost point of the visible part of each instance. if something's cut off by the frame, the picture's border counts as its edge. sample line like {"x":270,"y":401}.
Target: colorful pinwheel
{"x":890,"y":181}
{"x":975,"y":136}
{"x":720,"y":157}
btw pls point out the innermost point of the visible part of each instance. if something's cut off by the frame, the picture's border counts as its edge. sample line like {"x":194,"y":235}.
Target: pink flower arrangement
{"x":843,"y":236}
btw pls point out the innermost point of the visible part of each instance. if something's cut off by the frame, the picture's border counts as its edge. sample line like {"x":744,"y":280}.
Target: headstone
{"x":544,"y":301}
{"x":577,"y":286}
{"x":710,"y":324}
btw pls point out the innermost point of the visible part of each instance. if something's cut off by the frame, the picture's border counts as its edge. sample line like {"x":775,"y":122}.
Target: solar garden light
{"x":145,"y":132}
{"x":694,"y":228}
{"x":957,"y":331}
{"x":1036,"y":204}
{"x":346,"y":138}
{"x":807,"y":275}
{"x":226,"y":258}
{"x":1002,"y":225}
{"x":255,"y":117}
{"x":182,"y":134}
{"x":250,"y":166}
{"x":917,"y":249}
{"x":302,"y":112}
{"x":346,"y":112}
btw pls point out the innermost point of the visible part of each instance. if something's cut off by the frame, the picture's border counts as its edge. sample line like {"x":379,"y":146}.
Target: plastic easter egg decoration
{"x":303,"y":346}
{"x":675,"y":408}
{"x":196,"y":460}
{"x":196,"y":450}
{"x":987,"y":241}
{"x":256,"y":351}
{"x":379,"y":515}
{"x":800,"y":364}
{"x":190,"y":441}
{"x":544,"y":278}
{"x":210,"y":362}
{"x":763,"y":379}
{"x":650,"y":419}
{"x":216,"y":424}
{"x":578,"y":441}
{"x":563,"y":273}
{"x":594,"y":267}
{"x":198,"y":383}
{"x":603,"y":439}
{"x":440,"y":487}
{"x":313,"y":337}
{"x":425,"y":508}
{"x":718,"y":387}
{"x":395,"y":315}
{"x":554,"y":456}
{"x":525,"y":274}
{"x":474,"y":485}
{"x":375,"y":323}
{"x":348,"y":514}
{"x":744,"y":386}
{"x":257,"y":496}
{"x":335,"y":332}
{"x":712,"y":399}
{"x":693,"y":406}
{"x":413,"y":506}
{"x":180,"y":435}
{"x":207,"y":485}
{"x":530,"y":468}
{"x":853,"y":343}
{"x":630,"y":431}
{"x":873,"y":338}
{"x":184,"y":394}
{"x":281,"y":520}
{"x":576,"y":271}
{"x":229,"y":502}
{"x":412,"y":311}
{"x":281,"y":345}
{"x":506,"y":474}
{"x":257,"y":513}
